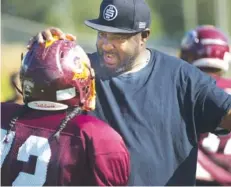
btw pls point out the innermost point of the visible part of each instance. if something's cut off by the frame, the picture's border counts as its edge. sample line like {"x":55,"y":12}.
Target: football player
{"x":207,"y":48}
{"x":50,"y":141}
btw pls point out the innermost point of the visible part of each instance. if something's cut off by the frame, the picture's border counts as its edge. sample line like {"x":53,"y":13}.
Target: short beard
{"x":123,"y":67}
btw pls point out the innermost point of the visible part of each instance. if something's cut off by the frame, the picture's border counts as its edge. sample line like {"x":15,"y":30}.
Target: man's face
{"x":118,"y":51}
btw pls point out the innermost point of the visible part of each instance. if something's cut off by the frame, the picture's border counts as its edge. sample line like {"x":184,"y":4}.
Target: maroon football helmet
{"x":206,"y":47}
{"x":56,"y":76}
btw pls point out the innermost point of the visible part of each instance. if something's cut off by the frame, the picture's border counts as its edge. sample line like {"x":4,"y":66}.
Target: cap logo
{"x":110,"y":12}
{"x":142,"y":25}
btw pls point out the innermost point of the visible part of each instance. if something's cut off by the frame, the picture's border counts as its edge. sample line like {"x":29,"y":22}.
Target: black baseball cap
{"x":122,"y":16}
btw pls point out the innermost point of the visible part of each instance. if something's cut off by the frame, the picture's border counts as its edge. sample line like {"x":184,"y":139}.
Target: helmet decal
{"x":60,"y":73}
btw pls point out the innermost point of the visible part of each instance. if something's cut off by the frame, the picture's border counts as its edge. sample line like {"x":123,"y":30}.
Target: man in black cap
{"x":158,"y":103}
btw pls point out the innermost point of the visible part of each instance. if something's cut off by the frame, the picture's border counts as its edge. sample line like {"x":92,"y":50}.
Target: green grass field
{"x":10,"y":62}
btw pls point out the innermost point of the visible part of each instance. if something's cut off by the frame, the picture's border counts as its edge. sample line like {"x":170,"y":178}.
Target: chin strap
{"x":16,"y":87}
{"x":14,"y":79}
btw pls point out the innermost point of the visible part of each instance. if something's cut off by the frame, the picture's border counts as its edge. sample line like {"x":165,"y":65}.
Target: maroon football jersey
{"x":223,"y":83}
{"x":88,"y":151}
{"x":214,"y":155}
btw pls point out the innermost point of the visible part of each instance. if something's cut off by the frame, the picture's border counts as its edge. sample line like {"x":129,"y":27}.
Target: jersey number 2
{"x":36,"y":146}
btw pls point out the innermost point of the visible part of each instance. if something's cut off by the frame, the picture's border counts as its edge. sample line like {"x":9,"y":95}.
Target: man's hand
{"x":47,"y":35}
{"x":226,"y":122}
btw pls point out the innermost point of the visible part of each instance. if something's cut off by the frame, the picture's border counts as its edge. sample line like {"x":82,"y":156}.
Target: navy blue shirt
{"x":160,"y":110}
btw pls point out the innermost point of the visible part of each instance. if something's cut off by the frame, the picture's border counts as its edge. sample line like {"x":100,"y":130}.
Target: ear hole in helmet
{"x":61,"y":54}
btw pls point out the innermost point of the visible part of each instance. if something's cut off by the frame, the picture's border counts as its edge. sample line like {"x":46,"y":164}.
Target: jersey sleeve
{"x":207,"y":103}
{"x":112,"y":168}
{"x":108,"y":159}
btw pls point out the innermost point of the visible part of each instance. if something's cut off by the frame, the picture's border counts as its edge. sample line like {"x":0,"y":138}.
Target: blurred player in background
{"x":50,"y":141}
{"x":207,"y":48}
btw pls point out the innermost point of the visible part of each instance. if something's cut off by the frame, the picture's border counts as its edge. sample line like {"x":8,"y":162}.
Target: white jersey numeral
{"x":36,"y":146}
{"x":211,"y":143}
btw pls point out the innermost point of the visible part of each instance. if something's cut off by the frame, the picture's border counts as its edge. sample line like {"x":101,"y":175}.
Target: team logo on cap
{"x":110,"y":12}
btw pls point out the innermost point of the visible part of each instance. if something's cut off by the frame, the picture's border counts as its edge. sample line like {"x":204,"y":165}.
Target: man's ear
{"x":145,"y":35}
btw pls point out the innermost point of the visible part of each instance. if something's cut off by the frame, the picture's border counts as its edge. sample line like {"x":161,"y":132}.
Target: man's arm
{"x":226,"y":122}
{"x":209,"y":105}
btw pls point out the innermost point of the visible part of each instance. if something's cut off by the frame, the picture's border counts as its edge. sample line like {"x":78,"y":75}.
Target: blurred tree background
{"x":168,"y":15}
{"x":22,"y":19}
